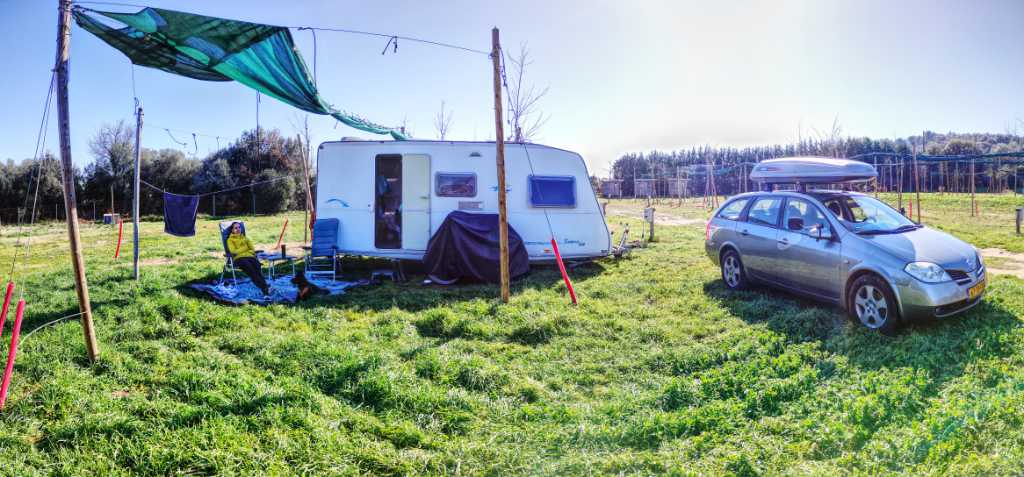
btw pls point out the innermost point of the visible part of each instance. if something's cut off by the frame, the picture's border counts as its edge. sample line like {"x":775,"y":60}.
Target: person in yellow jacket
{"x":244,"y":255}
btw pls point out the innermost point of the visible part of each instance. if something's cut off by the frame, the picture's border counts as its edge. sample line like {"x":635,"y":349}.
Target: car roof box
{"x":812,"y":170}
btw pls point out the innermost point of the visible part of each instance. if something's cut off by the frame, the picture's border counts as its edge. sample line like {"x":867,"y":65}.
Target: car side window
{"x":802,"y":216}
{"x":765,"y":211}
{"x":835,"y":207}
{"x":733,"y":209}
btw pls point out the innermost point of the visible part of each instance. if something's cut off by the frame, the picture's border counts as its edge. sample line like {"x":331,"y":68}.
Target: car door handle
{"x":784,"y":241}
{"x":744,"y":232}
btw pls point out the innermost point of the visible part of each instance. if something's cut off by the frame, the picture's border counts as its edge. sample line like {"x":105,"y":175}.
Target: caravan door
{"x":415,"y":201}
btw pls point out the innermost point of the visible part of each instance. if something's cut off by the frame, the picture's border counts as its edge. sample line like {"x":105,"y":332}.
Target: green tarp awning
{"x":262,"y":57}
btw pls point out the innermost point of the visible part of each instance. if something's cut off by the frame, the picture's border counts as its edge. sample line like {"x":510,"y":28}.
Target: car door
{"x":807,"y":263}
{"x":756,"y":237}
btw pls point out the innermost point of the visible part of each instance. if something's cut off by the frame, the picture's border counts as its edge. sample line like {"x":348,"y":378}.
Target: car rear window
{"x":733,"y":209}
{"x":765,"y":211}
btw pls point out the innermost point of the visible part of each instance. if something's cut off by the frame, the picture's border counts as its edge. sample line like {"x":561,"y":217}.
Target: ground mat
{"x":282,"y":290}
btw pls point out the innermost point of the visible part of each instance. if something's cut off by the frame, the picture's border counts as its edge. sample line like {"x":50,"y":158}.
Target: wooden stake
{"x":310,"y":208}
{"x":135,"y":192}
{"x":499,"y":141}
{"x":917,"y":184}
{"x":67,"y":175}
{"x":974,"y":205}
{"x":899,"y":184}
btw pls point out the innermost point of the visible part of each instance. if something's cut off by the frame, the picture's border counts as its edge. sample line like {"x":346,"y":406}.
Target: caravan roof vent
{"x":352,"y":139}
{"x":812,"y":170}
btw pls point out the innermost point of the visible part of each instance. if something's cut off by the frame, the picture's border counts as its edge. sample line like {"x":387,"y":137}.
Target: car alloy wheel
{"x":871,"y":306}
{"x":732,"y":271}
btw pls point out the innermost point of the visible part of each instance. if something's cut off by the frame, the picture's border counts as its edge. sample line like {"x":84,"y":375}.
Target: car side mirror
{"x":795,"y":223}
{"x":820,"y":232}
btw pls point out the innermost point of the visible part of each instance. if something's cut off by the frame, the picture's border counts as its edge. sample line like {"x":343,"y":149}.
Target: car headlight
{"x":927,"y":272}
{"x":981,"y":261}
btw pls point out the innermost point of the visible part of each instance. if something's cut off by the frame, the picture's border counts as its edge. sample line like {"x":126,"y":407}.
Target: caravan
{"x":391,"y":196}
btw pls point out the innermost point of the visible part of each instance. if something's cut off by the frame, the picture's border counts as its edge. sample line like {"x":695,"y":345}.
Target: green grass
{"x":659,"y":369}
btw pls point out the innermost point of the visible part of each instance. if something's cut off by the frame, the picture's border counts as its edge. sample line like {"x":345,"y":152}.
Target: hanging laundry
{"x":180,"y":214}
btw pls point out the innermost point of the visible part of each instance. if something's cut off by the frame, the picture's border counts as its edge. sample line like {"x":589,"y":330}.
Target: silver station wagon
{"x":845,"y":248}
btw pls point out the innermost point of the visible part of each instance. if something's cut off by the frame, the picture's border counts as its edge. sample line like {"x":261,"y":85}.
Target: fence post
{"x":1020,"y":217}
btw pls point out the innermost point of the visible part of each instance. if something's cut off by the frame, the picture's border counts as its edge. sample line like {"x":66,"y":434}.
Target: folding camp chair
{"x":323,"y":248}
{"x":229,"y":261}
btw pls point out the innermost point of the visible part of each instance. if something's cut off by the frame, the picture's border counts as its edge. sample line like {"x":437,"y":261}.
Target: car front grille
{"x":952,"y":308}
{"x":959,"y":276}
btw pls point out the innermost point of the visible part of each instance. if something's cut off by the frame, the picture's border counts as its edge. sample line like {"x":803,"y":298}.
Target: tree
{"x":524,"y":114}
{"x":113,"y":152}
{"x":169,"y":170}
{"x":276,"y":193}
{"x":442,"y":122}
{"x":242,"y":163}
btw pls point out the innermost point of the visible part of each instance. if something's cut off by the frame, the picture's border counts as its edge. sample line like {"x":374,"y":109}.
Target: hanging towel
{"x":180,"y":214}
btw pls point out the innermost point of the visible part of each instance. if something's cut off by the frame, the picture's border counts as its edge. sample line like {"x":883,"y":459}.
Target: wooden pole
{"x":974,"y":205}
{"x":135,"y":193}
{"x":499,"y":141}
{"x":67,"y":175}
{"x":899,"y":184}
{"x":917,"y":184}
{"x":310,"y":208}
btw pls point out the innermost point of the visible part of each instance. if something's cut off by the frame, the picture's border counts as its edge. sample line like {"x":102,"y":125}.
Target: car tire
{"x":733,"y":273}
{"x":872,"y":304}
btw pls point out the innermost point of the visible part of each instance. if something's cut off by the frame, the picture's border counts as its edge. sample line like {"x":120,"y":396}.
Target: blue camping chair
{"x":229,"y":261}
{"x":323,"y":249}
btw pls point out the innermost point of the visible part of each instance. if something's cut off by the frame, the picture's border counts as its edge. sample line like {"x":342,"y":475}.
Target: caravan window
{"x":553,"y":191}
{"x":450,"y":184}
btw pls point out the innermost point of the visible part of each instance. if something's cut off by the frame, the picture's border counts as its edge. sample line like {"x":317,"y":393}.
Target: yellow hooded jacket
{"x":240,"y":246}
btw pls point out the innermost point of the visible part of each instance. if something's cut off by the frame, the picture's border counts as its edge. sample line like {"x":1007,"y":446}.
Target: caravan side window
{"x":553,"y":191}
{"x":455,"y":184}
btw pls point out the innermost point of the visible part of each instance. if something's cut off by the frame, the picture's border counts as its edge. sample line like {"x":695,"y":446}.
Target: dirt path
{"x":1002,"y":262}
{"x":659,"y":218}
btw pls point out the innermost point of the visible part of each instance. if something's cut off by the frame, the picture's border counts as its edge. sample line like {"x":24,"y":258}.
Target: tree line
{"x":731,"y":164}
{"x":105,"y":184}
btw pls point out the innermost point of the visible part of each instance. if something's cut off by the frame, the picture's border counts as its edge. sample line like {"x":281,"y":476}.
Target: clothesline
{"x":251,"y":184}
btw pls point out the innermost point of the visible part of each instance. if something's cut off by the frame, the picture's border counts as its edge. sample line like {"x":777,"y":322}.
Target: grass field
{"x":659,"y":369}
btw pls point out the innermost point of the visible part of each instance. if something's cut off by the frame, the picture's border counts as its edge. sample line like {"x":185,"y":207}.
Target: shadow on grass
{"x":943,"y":348}
{"x":413,"y":295}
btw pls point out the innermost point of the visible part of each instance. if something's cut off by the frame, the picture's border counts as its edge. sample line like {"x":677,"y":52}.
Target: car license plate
{"x":976,"y":290}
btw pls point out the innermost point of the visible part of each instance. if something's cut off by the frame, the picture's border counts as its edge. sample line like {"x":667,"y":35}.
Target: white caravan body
{"x":391,"y":196}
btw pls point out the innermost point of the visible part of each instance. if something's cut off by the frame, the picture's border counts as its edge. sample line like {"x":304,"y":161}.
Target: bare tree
{"x":405,"y":128}
{"x":443,"y":122}
{"x":524,"y":116}
{"x":831,"y":139}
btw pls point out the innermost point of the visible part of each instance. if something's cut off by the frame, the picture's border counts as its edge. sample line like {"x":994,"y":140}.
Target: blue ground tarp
{"x":282,"y":290}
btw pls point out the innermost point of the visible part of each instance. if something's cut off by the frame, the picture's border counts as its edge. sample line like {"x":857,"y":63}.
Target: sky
{"x":621,"y":76}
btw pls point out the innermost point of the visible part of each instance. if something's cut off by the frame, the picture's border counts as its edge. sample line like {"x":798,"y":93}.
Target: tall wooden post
{"x":135,"y":192}
{"x":899,"y":184}
{"x":67,"y":175}
{"x":499,"y":141}
{"x":917,"y":184}
{"x":305,"y":183}
{"x":974,"y":205}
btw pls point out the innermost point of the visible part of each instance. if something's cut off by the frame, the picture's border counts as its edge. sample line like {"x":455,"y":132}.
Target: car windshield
{"x":868,"y":215}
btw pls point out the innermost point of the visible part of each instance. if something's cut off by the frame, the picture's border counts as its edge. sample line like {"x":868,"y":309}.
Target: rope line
{"x":40,"y":145}
{"x":331,"y":29}
{"x":221,"y":191}
{"x":49,"y":323}
{"x":182,"y":144}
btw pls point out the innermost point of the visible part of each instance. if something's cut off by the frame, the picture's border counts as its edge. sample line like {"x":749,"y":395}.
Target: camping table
{"x":272,"y":260}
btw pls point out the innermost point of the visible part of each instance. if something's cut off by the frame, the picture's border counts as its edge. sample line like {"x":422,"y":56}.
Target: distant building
{"x":677,"y":187}
{"x":611,"y":188}
{"x":645,"y":188}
